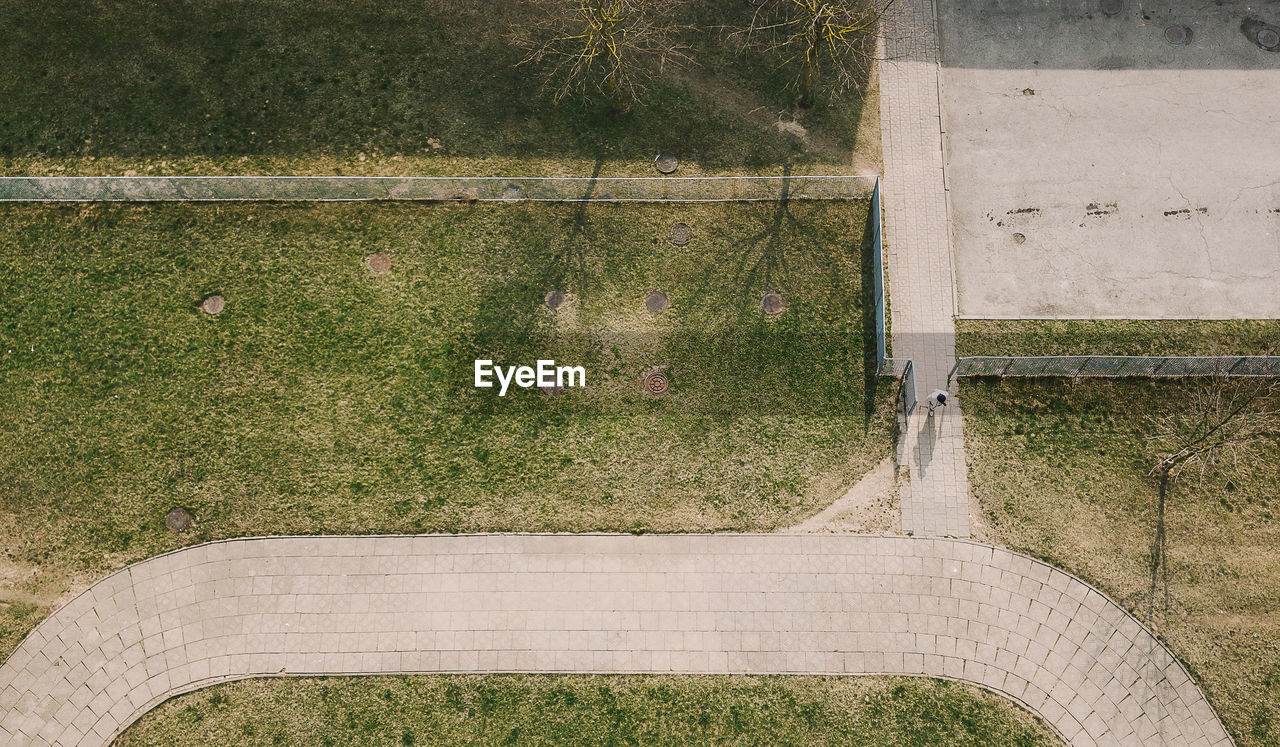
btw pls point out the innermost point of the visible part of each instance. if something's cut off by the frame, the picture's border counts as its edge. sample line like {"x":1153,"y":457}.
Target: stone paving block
{"x":782,"y":615}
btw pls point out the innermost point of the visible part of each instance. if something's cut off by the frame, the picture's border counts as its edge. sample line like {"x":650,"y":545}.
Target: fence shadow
{"x":868,"y":248}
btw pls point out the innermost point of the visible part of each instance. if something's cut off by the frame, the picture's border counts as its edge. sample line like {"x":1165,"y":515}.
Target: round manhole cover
{"x":773,"y":303}
{"x":1268,"y":39}
{"x":1019,"y":238}
{"x":554,"y":299}
{"x":1111,"y":7}
{"x":178,"y":519}
{"x":1177,"y":35}
{"x":656,"y":302}
{"x":666,"y":163}
{"x":378,"y":264}
{"x":213,"y":304}
{"x":681,"y":233}
{"x":656,"y":384}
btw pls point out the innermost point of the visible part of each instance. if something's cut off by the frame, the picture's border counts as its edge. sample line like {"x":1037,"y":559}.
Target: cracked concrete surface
{"x":1144,"y":178}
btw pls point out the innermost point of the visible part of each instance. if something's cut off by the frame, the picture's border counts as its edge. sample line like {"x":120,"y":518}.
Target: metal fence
{"x":907,"y":392}
{"x":877,"y":271}
{"x":901,"y":368}
{"x":434,"y":188}
{"x":1118,"y":365}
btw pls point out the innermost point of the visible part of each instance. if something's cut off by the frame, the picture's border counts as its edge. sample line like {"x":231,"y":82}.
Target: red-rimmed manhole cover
{"x":656,"y":384}
{"x":378,"y":264}
{"x":656,"y":302}
{"x":681,"y":233}
{"x":666,"y":163}
{"x":214,"y":304}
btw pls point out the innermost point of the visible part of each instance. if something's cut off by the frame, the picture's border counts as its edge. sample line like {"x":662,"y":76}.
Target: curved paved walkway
{"x":599,"y":603}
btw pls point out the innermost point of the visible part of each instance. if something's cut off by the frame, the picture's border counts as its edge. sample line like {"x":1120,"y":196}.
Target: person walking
{"x":937,"y":398}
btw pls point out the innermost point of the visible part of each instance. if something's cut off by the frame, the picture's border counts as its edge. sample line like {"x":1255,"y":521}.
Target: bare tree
{"x":612,"y":47}
{"x":1223,"y":423}
{"x":835,"y":37}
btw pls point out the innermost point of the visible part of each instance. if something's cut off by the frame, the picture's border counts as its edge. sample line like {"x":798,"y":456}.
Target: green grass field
{"x":1118,"y":337}
{"x":582,"y":710}
{"x":326,"y":400}
{"x":1060,"y":470}
{"x":378,"y":87}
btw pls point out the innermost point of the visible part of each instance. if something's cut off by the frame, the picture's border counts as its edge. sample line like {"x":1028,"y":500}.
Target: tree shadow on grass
{"x":569,"y":269}
{"x":281,"y":79}
{"x":772,"y":257}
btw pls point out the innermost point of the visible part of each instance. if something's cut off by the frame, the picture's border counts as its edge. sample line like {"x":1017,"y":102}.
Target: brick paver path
{"x":835,"y":604}
{"x":936,"y":499}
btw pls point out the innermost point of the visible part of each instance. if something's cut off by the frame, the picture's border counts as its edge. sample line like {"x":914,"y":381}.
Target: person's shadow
{"x":925,"y":442}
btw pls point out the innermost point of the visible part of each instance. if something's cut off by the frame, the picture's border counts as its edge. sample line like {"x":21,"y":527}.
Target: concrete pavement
{"x":790,"y":604}
{"x":935,"y":499}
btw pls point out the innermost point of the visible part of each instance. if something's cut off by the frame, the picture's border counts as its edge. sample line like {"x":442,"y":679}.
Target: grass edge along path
{"x":1172,"y":337}
{"x":587,"y":709}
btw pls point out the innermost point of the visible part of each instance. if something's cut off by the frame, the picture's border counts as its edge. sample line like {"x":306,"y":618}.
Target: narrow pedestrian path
{"x":935,"y":501}
{"x":790,"y":604}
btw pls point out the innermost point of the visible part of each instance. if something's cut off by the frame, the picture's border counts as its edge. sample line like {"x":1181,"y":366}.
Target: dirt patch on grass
{"x":872,"y":506}
{"x":378,"y":264}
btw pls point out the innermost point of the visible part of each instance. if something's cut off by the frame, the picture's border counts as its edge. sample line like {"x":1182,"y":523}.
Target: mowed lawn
{"x":324,"y":399}
{"x":388,"y":87}
{"x":590,"y":710}
{"x":1060,"y":470}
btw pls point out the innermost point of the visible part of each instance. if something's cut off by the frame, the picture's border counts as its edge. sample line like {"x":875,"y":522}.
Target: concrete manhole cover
{"x":1268,"y":39}
{"x":178,"y":519}
{"x":656,"y":384}
{"x":773,"y":303}
{"x":214,"y":304}
{"x":1019,"y":238}
{"x":554,"y":299}
{"x":681,"y":233}
{"x":1111,"y":7}
{"x":666,"y":163}
{"x":1177,"y":35}
{"x":656,"y":302}
{"x":378,"y":264}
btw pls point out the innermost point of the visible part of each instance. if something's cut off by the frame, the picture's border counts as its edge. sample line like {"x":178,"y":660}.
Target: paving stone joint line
{"x":762,"y":604}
